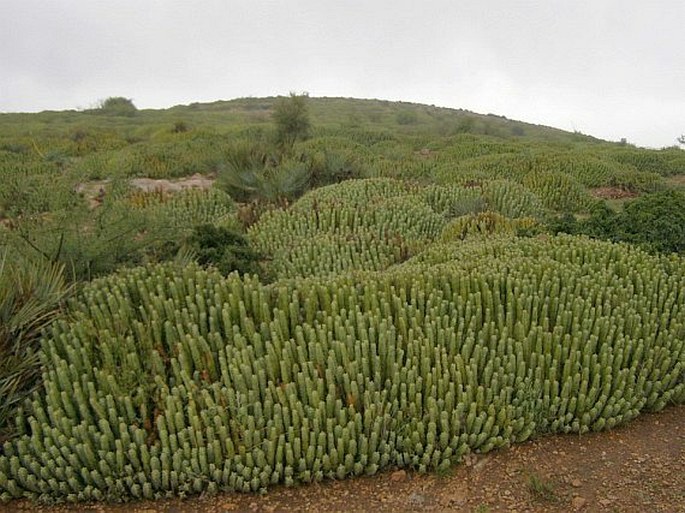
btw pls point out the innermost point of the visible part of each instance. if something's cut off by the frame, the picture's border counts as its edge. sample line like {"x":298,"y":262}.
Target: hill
{"x":216,"y":298}
{"x":327,"y":114}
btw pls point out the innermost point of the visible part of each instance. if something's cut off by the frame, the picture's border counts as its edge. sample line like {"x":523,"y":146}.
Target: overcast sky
{"x":609,"y":68}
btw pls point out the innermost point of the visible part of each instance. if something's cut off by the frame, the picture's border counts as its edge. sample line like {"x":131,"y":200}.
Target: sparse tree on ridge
{"x":291,"y":116}
{"x":117,"y":106}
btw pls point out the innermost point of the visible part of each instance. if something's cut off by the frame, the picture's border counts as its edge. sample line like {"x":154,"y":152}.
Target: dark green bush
{"x":223,"y":248}
{"x":117,"y":106}
{"x":654,"y":221}
{"x":292,"y":119}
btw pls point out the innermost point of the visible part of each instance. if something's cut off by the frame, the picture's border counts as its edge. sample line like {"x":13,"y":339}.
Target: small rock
{"x":417,"y":499}
{"x":481,"y":463}
{"x":576,"y":483}
{"x":398,"y":476}
{"x":578,"y":502}
{"x":605,"y":502}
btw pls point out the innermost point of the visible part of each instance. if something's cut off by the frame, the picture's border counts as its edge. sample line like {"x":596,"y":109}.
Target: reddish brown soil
{"x":637,"y":468}
{"x":612,"y":193}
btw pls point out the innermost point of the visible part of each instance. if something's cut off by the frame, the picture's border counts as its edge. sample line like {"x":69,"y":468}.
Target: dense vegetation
{"x":365,"y":285}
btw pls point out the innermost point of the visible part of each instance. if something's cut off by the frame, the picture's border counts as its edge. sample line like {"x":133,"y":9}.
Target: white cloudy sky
{"x":610,"y":68}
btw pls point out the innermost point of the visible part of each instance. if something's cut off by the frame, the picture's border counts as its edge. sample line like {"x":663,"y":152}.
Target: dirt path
{"x":636,"y":468}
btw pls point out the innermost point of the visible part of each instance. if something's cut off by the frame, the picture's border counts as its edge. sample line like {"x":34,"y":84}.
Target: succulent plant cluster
{"x":170,"y":381}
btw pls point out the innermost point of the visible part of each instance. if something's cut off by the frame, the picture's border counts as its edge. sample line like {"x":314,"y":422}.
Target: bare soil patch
{"x":613,"y":193}
{"x":196,"y":181}
{"x":95,"y":191}
{"x":635,"y":468}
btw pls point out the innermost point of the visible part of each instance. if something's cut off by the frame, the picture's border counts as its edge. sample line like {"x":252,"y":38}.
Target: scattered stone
{"x":398,"y":476}
{"x":576,"y":483}
{"x":578,"y":502}
{"x":481,"y":463}
{"x":417,"y":499}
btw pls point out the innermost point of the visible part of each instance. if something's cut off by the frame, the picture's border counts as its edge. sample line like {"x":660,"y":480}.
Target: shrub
{"x":656,"y":220}
{"x":223,"y":248}
{"x":486,"y":223}
{"x":31,"y":296}
{"x":406,"y":117}
{"x":292,"y":119}
{"x":117,"y":106}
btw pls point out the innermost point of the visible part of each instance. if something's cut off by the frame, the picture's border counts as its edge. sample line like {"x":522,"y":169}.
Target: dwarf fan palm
{"x":31,"y":297}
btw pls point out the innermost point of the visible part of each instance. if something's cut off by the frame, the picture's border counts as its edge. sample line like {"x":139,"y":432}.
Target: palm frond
{"x":32,"y":295}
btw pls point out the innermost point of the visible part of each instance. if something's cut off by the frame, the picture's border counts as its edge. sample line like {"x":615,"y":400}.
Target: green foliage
{"x":657,"y":220}
{"x":31,"y":297}
{"x":255,"y":172}
{"x":354,"y":225}
{"x":175,"y":380}
{"x":186,"y":209}
{"x":541,"y":488}
{"x":398,"y":321}
{"x":292,"y":119}
{"x":487,"y":223}
{"x":654,"y":221}
{"x":558,"y":191}
{"x":511,"y":199}
{"x":406,"y":117}
{"x":454,"y":201}
{"x":128,"y":228}
{"x":117,"y":106}
{"x":223,"y":248}
{"x":334,"y":159}
{"x":664,"y":162}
